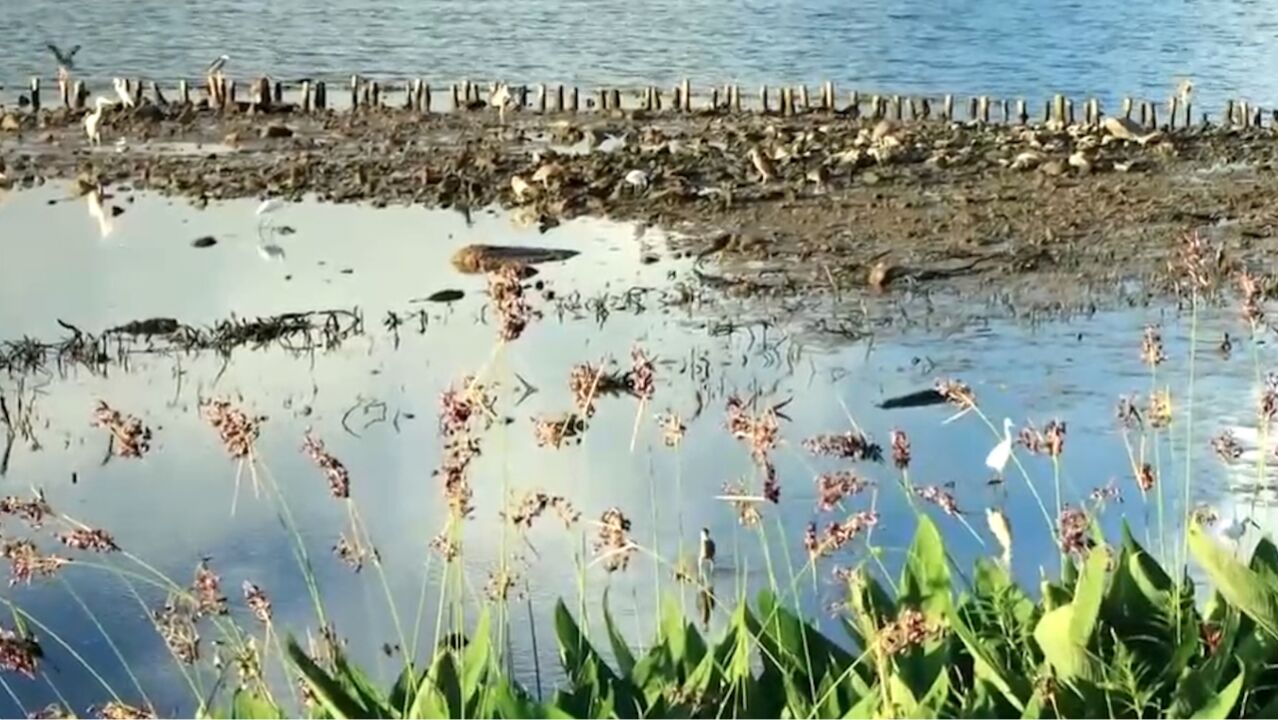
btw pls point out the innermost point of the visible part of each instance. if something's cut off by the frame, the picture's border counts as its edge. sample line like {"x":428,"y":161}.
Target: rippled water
{"x":1018,"y":47}
{"x":375,"y":399}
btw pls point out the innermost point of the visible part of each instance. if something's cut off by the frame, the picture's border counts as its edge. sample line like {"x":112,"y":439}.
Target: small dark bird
{"x":706,"y":556}
{"x":66,"y":60}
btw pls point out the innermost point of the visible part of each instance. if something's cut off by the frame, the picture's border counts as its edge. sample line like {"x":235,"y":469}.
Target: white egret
{"x":122,"y":91}
{"x":705,"y":556}
{"x":1235,"y":530}
{"x":1002,"y":452}
{"x":501,"y":99}
{"x":93,"y":121}
{"x":520,"y":187}
{"x":98,"y":213}
{"x":1001,"y":529}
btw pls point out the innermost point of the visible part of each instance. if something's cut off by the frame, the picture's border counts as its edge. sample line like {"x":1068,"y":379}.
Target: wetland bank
{"x":301,"y":442}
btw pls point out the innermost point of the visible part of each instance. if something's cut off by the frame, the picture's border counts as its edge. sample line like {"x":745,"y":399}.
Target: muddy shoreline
{"x":1041,"y":213}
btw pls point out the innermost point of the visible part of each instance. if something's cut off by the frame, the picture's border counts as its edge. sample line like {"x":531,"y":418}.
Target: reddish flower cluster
{"x":1226,"y":446}
{"x":642,"y":379}
{"x":1146,"y":478}
{"x":1253,"y":296}
{"x":339,"y":478}
{"x":939,"y":497}
{"x":18,"y":654}
{"x":176,"y":625}
{"x":583,"y":383}
{"x":534,"y":504}
{"x":258,"y":603}
{"x":1074,"y":527}
{"x":129,"y":437}
{"x":910,"y":629}
{"x":506,"y":289}
{"x":33,"y":511}
{"x":900,"y":449}
{"x":956,"y":393}
{"x":851,"y":445}
{"x":554,"y":431}
{"x":1050,"y":441}
{"x":99,"y":541}
{"x":833,"y":487}
{"x":207,"y":589}
{"x":459,"y":408}
{"x":759,"y":432}
{"x":1151,"y":347}
{"x":237,"y":431}
{"x":27,"y":563}
{"x":837,"y":534}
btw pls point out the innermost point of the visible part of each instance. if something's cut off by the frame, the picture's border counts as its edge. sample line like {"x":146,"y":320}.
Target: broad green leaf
{"x":620,"y":650}
{"x":865,"y":708}
{"x":439,"y":693}
{"x":354,"y":681}
{"x":925,"y":579}
{"x":475,"y":658}
{"x":986,"y":664}
{"x":1055,"y":636}
{"x":1224,"y":701}
{"x":1089,"y":592}
{"x":1243,"y":587}
{"x":330,"y":694}
{"x":247,"y":705}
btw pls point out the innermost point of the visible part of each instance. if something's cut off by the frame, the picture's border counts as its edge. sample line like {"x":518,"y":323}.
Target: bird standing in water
{"x":93,"y":121}
{"x":705,"y":557}
{"x":1002,"y":452}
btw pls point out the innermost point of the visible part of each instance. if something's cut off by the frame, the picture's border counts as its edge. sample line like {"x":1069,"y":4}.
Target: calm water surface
{"x":1018,"y":47}
{"x":375,"y":399}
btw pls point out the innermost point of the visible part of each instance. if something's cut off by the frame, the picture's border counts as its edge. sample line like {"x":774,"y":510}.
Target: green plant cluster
{"x":1116,"y":637}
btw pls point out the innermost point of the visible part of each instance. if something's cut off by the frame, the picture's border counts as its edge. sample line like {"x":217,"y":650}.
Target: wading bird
{"x":122,"y":91}
{"x":1002,"y":452}
{"x":637,"y":179}
{"x":501,"y":99}
{"x":705,"y":557}
{"x":93,"y":121}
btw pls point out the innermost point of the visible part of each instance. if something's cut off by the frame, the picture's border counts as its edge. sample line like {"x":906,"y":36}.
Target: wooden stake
{"x":927,"y":108}
{"x":763,"y":99}
{"x":35,"y":94}
{"x":425,"y":98}
{"x":876,"y":105}
{"x":854,"y":104}
{"x":541,"y":98}
{"x":574,"y":100}
{"x":80,"y":95}
{"x":735,"y":99}
{"x":306,"y":96}
{"x":1127,"y":108}
{"x":375,"y":95}
{"x":184,"y":93}
{"x":615,"y":100}
{"x":279,"y":93}
{"x":1007,"y":111}
{"x":158,"y":96}
{"x":685,"y":94}
{"x":456,"y":95}
{"x":1022,"y":115}
{"x":973,"y":109}
{"x":354,"y":93}
{"x":559,"y":98}
{"x":1173,"y":108}
{"x":983,"y":109}
{"x":947,"y":108}
{"x":64,"y":92}
{"x":714,"y":99}
{"x":1060,"y":108}
{"x":914,"y":108}
{"x":803,"y":98}
{"x":1153,"y":116}
{"x":896,"y":107}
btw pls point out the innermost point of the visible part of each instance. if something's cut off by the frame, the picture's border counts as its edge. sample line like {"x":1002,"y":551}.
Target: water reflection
{"x":373,"y":402}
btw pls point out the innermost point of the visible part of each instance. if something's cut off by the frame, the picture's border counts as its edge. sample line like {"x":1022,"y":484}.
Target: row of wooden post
{"x":363,"y":94}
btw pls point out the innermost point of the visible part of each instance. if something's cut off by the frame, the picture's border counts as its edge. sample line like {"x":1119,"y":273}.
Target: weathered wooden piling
{"x":1069,"y":111}
{"x":676,"y":98}
{"x":64,"y":92}
{"x":1244,"y":112}
{"x":35,"y":94}
{"x":354,"y":92}
{"x":615,"y":100}
{"x":602,"y":99}
{"x":1173,"y":111}
{"x":1058,"y":104}
{"x":897,"y":112}
{"x":1047,"y":111}
{"x":262,"y":95}
{"x":685,"y":95}
{"x":559,"y":98}
{"x":1144,"y":114}
{"x":656,"y":98}
{"x":321,"y":95}
{"x":1256,"y":117}
{"x":947,"y":109}
{"x":787,"y":107}
{"x":305,"y":103}
{"x":279,"y":93}
{"x":1127,"y":108}
{"x":1007,"y":111}
{"x":983,"y":109}
{"x":425,"y":102}
{"x":1022,"y":114}
{"x":80,"y":95}
{"x":157,"y":95}
{"x":1189,"y":114}
{"x":827,"y":96}
{"x":973,"y":111}
{"x":455,"y":92}
{"x":734,"y":98}
{"x":803,"y":98}
{"x":927,"y":108}
{"x":574,"y":100}
{"x":136,"y":89}
{"x":854,"y":104}
{"x":231,"y":103}
{"x":763,"y":99}
{"x":1153,"y":116}
{"x":184,"y":92}
{"x":541,"y":98}
{"x":914,"y":108}
{"x":714,"y":99}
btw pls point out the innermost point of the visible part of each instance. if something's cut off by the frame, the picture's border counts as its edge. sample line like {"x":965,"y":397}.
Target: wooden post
{"x":656,"y":98}
{"x":375,"y":95}
{"x":927,"y":108}
{"x":35,"y":94}
{"x":685,"y":94}
{"x":763,"y":99}
{"x":714,"y":99}
{"x":1059,"y":103}
{"x":81,"y":95}
{"x":354,"y":92}
{"x":559,"y":98}
{"x":803,"y":97}
{"x":947,"y":108}
{"x":184,"y":93}
{"x":983,"y":109}
{"x":1022,"y":115}
{"x":279,"y":93}
{"x":64,"y":92}
{"x":456,"y":96}
{"x":854,"y":104}
{"x":1153,"y":116}
{"x":263,"y":99}
{"x":1189,"y":114}
{"x":157,"y":95}
{"x":305,"y":103}
{"x":1144,"y":114}
{"x":897,"y":113}
{"x":231,"y":103}
{"x":1257,"y":117}
{"x":973,"y":109}
{"x":615,"y":100}
{"x":603,"y":99}
{"x":786,"y":106}
{"x":425,"y":103}
{"x":914,"y":108}
{"x":735,"y":98}
{"x":1069,"y":111}
{"x":541,"y":98}
{"x":1127,"y":108}
{"x":1244,"y":113}
{"x":1007,"y":111}
{"x":1173,"y":108}
{"x":574,"y":100}
{"x":466,"y":90}
{"x":876,"y":107}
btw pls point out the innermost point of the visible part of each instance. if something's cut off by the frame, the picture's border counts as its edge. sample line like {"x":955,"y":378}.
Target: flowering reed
{"x":129,"y":437}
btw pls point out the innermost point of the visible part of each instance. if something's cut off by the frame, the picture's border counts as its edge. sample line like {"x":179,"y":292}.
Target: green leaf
{"x":620,"y":650}
{"x":1088,"y":595}
{"x":1055,"y":636}
{"x":987,"y":665}
{"x":330,"y":694}
{"x":1223,"y":702}
{"x":1243,"y":587}
{"x":865,"y":708}
{"x":354,"y":681}
{"x":251,"y":705}
{"x":475,"y":658}
{"x":925,"y":579}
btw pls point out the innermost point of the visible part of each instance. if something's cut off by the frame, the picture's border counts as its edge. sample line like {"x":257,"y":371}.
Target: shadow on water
{"x":669,"y":463}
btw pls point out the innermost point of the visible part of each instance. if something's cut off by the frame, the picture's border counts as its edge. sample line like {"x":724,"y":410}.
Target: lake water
{"x":374,"y":401}
{"x":1019,"y":47}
